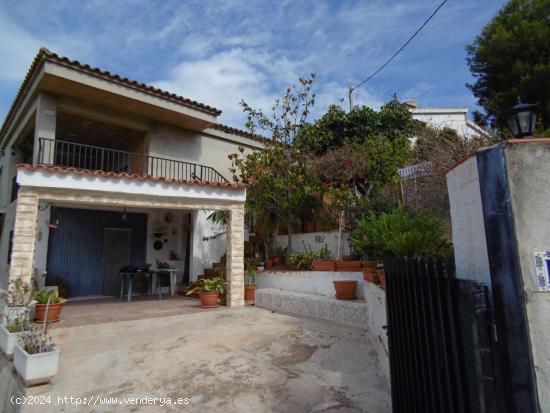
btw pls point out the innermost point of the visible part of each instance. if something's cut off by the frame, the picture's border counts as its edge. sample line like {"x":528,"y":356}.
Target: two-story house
{"x":98,"y":171}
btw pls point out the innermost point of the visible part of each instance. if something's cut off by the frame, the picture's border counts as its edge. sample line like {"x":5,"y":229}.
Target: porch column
{"x":235,"y":257}
{"x":45,"y":124}
{"x":24,"y":235}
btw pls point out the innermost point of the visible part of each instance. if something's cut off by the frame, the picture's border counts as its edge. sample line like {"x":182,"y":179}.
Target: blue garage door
{"x":75,"y":250}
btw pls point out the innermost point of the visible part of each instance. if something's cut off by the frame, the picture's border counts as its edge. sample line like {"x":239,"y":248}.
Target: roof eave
{"x":44,"y":55}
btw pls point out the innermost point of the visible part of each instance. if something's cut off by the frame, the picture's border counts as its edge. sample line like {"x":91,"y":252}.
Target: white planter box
{"x":13,"y":312}
{"x":8,"y":341}
{"x":35,"y":368}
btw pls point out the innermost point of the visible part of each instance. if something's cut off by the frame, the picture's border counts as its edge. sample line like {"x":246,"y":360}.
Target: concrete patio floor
{"x":227,"y":360}
{"x":82,"y":312}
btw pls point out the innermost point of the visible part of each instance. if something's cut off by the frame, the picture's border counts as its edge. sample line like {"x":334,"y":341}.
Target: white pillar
{"x":45,"y":123}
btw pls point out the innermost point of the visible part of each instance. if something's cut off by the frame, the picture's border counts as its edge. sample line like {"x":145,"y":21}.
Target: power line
{"x":351,"y":89}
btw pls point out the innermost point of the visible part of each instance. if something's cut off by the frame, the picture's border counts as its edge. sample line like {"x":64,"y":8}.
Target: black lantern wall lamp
{"x":522,"y":119}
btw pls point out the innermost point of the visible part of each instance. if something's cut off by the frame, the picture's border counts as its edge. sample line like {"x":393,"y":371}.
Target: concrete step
{"x":352,"y":313}
{"x":205,"y":276}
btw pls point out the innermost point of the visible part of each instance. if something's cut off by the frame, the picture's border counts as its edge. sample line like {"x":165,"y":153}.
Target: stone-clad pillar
{"x":24,"y":235}
{"x":235,"y":257}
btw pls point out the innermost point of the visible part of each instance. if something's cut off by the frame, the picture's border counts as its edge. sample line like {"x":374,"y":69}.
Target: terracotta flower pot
{"x":249,"y":294}
{"x":277,"y":261}
{"x":269,"y":263}
{"x":369,"y":274}
{"x":322,"y":265}
{"x":345,"y":290}
{"x":369,"y":263}
{"x":347,"y":257}
{"x":209,"y":300}
{"x":54,"y":312}
{"x":310,"y":227}
{"x":381,"y":277}
{"x":348,"y":265}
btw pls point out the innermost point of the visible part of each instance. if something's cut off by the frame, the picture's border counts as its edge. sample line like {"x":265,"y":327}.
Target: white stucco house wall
{"x":85,"y":153}
{"x":452,"y":118}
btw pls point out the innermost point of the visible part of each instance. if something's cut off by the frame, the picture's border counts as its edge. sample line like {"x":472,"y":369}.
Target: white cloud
{"x":16,"y":50}
{"x":222,"y":52}
{"x":224,"y":79}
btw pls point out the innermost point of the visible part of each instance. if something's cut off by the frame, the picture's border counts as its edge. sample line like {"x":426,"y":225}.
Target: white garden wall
{"x":309,"y":282}
{"x":316,"y":241}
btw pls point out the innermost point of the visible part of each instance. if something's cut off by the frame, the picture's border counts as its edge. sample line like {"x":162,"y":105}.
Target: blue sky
{"x":219,"y":52}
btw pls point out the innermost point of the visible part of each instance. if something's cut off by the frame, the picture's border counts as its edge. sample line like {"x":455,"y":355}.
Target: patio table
{"x":128,"y":280}
{"x":172,"y":272}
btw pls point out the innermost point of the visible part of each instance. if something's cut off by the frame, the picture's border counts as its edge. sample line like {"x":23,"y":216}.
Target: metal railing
{"x":56,"y":152}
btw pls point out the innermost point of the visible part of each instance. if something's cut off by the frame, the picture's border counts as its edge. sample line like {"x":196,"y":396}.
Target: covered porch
{"x":151,"y":216}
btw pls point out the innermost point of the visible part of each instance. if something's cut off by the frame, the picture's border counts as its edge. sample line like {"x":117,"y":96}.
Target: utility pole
{"x":350,"y":96}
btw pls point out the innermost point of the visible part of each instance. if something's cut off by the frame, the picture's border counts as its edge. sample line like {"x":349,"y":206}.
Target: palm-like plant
{"x":209,"y":285}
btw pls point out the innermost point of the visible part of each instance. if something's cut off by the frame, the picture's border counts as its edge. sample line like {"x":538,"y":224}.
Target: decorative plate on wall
{"x":168,"y":217}
{"x":157,"y":245}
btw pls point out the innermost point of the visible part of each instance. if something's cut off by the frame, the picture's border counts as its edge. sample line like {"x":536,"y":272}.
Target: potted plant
{"x":369,"y":270}
{"x":301,"y":260}
{"x":48,"y":306}
{"x":349,"y":265}
{"x":323,"y":263}
{"x":209,"y":289}
{"x":8,"y":333}
{"x":250,"y":286}
{"x":278,"y":254}
{"x":269,"y":262}
{"x":35,"y":357}
{"x":16,"y":300}
{"x":345,"y":289}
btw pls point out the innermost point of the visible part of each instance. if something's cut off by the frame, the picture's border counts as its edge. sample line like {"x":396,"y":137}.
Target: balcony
{"x":74,"y":155}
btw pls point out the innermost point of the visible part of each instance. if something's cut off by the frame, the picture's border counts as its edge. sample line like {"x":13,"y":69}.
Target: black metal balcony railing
{"x":69,"y":154}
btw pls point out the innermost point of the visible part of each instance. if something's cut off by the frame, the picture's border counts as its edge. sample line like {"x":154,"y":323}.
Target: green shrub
{"x":302,"y":260}
{"x":324,"y":254}
{"x":209,"y":285}
{"x":400,"y":233}
{"x":43,"y":296}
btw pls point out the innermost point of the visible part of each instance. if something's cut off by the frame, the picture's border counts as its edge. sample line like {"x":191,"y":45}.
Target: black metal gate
{"x":440,"y":333}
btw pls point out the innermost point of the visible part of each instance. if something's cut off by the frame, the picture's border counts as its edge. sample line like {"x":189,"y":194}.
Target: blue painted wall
{"x":75,"y":250}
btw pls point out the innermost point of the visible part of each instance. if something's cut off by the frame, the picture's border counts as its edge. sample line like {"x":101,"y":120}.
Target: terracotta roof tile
{"x":47,"y":55}
{"x":78,"y":171}
{"x":51,"y":56}
{"x":230,"y":129}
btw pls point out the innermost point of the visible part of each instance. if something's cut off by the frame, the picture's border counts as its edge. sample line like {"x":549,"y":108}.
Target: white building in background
{"x":453,"y":118}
